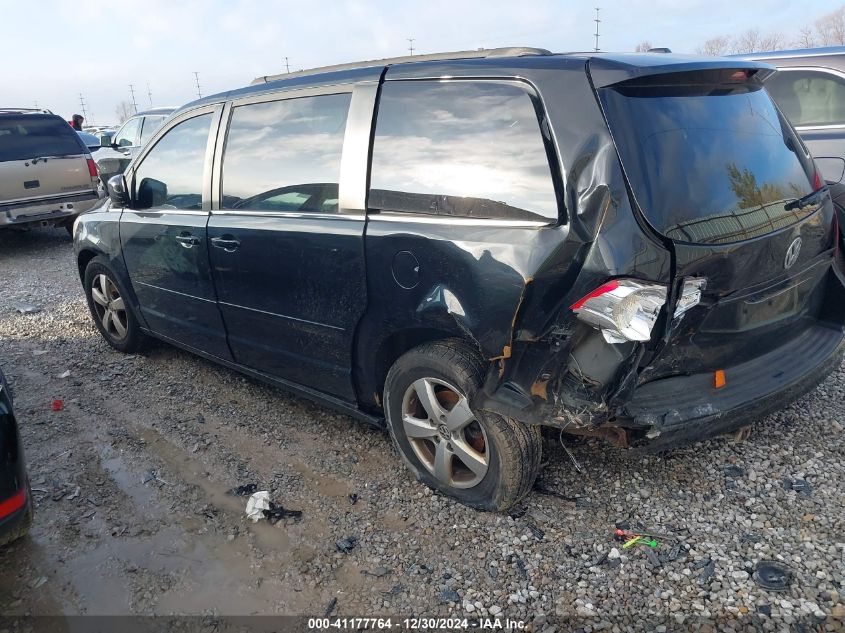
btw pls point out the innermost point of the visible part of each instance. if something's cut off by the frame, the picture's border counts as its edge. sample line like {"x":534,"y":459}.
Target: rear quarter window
{"x":461,"y":148}
{"x":26,"y":137}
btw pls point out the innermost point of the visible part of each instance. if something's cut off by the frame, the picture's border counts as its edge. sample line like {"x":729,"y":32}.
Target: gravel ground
{"x":132,"y":517}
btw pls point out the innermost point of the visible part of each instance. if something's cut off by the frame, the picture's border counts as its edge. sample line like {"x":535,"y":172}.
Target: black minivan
{"x":467,"y":247}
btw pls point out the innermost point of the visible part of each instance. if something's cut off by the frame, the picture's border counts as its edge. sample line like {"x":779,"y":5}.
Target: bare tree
{"x":831,"y":28}
{"x":806,"y":38}
{"x":715,"y":46}
{"x":124,"y":110}
{"x":752,"y":41}
{"x":643,"y":47}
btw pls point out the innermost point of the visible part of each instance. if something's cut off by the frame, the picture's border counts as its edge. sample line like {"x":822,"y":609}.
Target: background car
{"x":119,"y":148}
{"x":92,"y":141}
{"x":16,"y":508}
{"x":810,"y":90}
{"x":47,"y":175}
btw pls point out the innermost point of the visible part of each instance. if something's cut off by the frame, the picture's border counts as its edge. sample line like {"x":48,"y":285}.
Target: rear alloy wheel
{"x":444,"y":434}
{"x":482,"y":459}
{"x":107,"y":302}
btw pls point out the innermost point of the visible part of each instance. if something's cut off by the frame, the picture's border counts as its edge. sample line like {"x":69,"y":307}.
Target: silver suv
{"x":119,"y":149}
{"x":47,"y":175}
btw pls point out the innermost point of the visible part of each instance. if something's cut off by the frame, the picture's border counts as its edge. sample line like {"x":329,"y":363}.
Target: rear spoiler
{"x":642,"y":69}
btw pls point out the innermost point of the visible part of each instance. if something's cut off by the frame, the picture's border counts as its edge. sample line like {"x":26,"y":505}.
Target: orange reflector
{"x":719,"y":380}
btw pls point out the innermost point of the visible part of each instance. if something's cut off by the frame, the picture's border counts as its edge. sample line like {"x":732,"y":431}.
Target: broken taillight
{"x":690,"y":295}
{"x":622,"y":309}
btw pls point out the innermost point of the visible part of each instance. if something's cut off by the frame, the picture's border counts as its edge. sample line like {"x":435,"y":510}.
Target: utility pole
{"x":197,"y":78}
{"x":287,"y":65}
{"x":36,"y":104}
{"x":82,"y":103}
{"x":597,"y":21}
{"x":134,"y":103}
{"x":411,"y":47}
{"x":150,"y":94}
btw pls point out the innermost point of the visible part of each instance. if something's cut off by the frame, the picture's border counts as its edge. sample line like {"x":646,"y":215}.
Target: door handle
{"x":187,"y":241}
{"x":227,"y":243}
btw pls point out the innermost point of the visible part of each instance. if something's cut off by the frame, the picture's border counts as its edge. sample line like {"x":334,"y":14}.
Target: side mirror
{"x":152,"y":193}
{"x":118,"y":191}
{"x":105,"y":140}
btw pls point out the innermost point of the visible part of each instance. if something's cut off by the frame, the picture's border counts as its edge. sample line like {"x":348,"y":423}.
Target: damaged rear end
{"x":744,"y":312}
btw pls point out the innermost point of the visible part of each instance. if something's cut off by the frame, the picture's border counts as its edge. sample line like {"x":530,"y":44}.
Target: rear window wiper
{"x":806,"y":201}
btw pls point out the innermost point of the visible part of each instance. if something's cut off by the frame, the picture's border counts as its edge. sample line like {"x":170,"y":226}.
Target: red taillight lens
{"x":92,"y":168}
{"x":603,"y":289}
{"x":817,"y":180}
{"x":13,"y":503}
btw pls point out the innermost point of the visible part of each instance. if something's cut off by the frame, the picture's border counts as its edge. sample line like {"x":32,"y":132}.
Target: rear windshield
{"x":24,"y":137}
{"x":708,"y":165}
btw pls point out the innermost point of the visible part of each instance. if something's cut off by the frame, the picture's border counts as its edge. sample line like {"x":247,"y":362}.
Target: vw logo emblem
{"x":792,"y":253}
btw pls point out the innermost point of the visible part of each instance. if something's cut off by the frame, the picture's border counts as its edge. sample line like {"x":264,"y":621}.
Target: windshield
{"x":24,"y":137}
{"x":708,"y":165}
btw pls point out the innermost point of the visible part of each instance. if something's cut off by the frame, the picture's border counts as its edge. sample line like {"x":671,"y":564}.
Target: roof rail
{"x":25,"y":110}
{"x":512,"y":51}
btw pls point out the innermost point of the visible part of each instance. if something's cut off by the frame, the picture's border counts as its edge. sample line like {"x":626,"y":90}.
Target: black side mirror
{"x":118,"y":191}
{"x":105,"y":140}
{"x":152,"y":193}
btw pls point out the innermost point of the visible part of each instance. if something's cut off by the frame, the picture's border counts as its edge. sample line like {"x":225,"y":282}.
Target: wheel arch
{"x":374,"y":367}
{"x":83,"y":259}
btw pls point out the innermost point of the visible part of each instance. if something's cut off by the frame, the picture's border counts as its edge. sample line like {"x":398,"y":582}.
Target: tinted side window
{"x":128,"y":135}
{"x":809,"y":97}
{"x":285,"y":155}
{"x":460,"y":148}
{"x":151,"y":124}
{"x":171,"y":174}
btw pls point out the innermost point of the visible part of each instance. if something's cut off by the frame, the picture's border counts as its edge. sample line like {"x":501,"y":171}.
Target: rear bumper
{"x":54,"y":211}
{"x":683,"y":409}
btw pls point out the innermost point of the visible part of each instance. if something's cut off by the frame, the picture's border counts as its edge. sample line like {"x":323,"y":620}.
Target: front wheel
{"x":107,"y":301}
{"x":482,"y":459}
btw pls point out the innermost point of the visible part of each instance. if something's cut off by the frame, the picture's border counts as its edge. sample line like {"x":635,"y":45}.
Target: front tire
{"x":108,"y":303}
{"x":482,"y":459}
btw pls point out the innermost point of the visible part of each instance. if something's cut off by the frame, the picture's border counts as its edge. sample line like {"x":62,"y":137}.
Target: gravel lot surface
{"x":133,"y":517}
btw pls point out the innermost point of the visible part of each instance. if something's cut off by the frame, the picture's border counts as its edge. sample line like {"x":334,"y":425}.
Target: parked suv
{"x":47,"y":175}
{"x":810,"y":90}
{"x":466,"y":247}
{"x":119,"y":148}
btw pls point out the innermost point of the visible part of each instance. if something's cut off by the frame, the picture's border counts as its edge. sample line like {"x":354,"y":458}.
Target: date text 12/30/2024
{"x":415,"y":624}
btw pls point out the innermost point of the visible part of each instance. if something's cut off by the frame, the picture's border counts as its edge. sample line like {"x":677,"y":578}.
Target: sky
{"x":53,"y":50}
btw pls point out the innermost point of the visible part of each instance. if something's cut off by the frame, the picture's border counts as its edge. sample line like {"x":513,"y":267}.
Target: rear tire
{"x":482,"y":459}
{"x":110,"y":309}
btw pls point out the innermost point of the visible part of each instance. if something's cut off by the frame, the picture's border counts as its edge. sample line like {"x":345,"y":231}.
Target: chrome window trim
{"x":830,"y":126}
{"x":292,"y":214}
{"x":167,"y":212}
{"x":355,"y":156}
{"x":292,"y":93}
{"x":418,"y":218}
{"x":822,"y":70}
